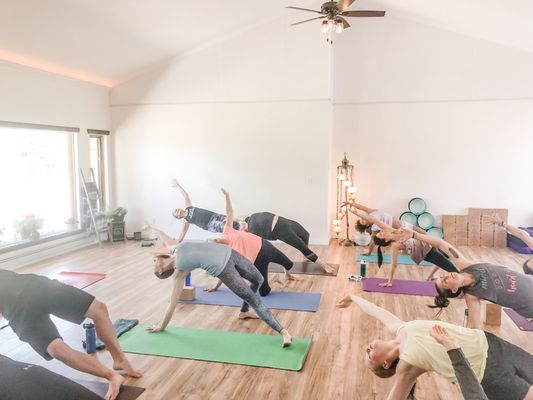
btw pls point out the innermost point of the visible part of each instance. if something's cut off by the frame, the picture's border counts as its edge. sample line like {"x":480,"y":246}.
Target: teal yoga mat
{"x":218,"y":346}
{"x":402,"y":259}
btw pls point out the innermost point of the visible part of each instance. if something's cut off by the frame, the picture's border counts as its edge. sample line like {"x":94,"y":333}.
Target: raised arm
{"x":361,"y":207}
{"x":183,"y":232}
{"x":371,"y":219}
{"x":229,"y":209}
{"x":391,"y":321}
{"x":513,"y":230}
{"x":453,"y":253}
{"x":179,"y":278}
{"x":186,"y":198}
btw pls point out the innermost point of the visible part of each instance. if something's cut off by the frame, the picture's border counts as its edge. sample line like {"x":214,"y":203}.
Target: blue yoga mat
{"x":295,"y":301}
{"x":402,"y":259}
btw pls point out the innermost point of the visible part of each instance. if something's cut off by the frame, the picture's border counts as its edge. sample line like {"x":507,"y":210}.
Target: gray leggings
{"x":237,"y":268}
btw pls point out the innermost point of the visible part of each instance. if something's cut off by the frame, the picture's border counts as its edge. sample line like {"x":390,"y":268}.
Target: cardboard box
{"x":493,"y":314}
{"x":500,"y":237}
{"x":448,"y":227}
{"x":475,"y":211}
{"x":487,"y":238}
{"x":474,"y":229}
{"x":189,"y":293}
{"x":461,"y":223}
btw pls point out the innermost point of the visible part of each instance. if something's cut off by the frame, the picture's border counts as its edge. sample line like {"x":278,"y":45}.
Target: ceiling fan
{"x":333,"y":13}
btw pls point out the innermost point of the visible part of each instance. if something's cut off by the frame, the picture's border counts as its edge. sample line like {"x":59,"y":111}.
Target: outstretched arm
{"x":453,"y":253}
{"x":185,"y":195}
{"x":371,"y":219}
{"x":361,"y":207}
{"x":183,"y":232}
{"x":406,"y":375}
{"x":391,"y":321}
{"x":229,"y":209}
{"x":513,"y":230}
{"x":176,"y":292}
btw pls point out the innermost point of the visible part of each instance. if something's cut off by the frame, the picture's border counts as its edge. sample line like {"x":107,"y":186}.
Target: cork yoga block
{"x":189,"y":293}
{"x":493,"y":314}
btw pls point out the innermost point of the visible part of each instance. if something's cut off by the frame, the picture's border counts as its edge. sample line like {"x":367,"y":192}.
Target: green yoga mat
{"x":402,"y":259}
{"x":218,"y":346}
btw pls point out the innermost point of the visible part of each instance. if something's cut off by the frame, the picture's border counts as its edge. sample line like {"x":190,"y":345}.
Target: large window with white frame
{"x":39,"y":196}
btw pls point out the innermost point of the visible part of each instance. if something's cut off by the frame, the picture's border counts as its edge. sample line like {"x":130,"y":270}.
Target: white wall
{"x":430,"y":113}
{"x":251,"y":114}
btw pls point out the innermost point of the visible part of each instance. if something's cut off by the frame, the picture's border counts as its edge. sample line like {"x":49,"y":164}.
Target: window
{"x":38,"y":180}
{"x":97,"y":161}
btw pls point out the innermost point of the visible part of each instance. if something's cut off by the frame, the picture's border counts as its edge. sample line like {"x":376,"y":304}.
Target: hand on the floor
{"x":289,"y":277}
{"x":211,"y":289}
{"x":154,"y":329}
{"x":345,"y":302}
{"x":441,"y":335}
{"x":385,"y":284}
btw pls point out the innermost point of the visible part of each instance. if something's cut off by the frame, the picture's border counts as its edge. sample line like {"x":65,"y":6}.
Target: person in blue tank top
{"x":202,"y":218}
{"x":220,"y":261}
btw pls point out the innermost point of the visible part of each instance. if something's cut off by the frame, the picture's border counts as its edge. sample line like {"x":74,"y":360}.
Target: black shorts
{"x":509,"y":370}
{"x":40,"y":298}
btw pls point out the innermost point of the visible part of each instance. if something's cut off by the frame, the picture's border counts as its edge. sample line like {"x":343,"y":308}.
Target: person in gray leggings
{"x":219,"y":261}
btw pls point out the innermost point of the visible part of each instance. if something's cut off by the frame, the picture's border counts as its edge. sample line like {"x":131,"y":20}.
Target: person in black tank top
{"x":273,"y":227}
{"x":204,"y":219}
{"x":478,"y":281}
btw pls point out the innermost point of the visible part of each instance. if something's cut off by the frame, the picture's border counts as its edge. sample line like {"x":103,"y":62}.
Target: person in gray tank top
{"x":219,"y":261}
{"x":477,"y":281}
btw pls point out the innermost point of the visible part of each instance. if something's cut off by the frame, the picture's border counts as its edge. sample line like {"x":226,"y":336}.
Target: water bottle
{"x":465,"y":319}
{"x":90,"y":338}
{"x":362,"y":270}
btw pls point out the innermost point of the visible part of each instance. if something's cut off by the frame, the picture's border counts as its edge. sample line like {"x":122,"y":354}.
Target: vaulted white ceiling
{"x":109,"y":41}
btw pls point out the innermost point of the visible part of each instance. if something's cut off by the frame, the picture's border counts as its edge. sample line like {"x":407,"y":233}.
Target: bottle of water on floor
{"x":362,"y":268}
{"x":90,"y":338}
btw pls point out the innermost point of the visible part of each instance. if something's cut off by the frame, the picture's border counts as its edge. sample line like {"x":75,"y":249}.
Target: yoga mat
{"x":303,"y":267}
{"x":79,"y":280}
{"x":100,"y":388}
{"x":522,"y":323}
{"x":121,"y":326}
{"x":402,"y":259}
{"x":295,"y":301}
{"x":400,"y":286}
{"x":218,"y":346}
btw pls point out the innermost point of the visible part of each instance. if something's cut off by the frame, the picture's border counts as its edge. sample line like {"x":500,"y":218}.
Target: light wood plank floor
{"x":334,"y":368}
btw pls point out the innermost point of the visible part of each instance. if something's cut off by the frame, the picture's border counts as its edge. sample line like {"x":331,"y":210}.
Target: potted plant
{"x":28,"y":227}
{"x":72,"y":224}
{"x":115,"y":223}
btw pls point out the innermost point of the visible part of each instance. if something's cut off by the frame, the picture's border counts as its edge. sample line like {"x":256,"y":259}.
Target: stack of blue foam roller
{"x":419,"y":216}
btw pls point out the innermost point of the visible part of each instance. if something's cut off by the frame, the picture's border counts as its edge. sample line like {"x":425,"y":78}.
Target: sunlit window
{"x":37,"y":183}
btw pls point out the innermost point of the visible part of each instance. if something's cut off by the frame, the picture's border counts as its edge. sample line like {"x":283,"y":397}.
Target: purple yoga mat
{"x":399,"y":286}
{"x":520,"y":321}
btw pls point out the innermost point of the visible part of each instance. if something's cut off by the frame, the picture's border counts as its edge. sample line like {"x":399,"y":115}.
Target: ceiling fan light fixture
{"x":339,"y":26}
{"x":325,"y":27}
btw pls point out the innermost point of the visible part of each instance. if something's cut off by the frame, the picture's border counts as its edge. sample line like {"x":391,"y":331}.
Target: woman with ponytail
{"x":477,"y":281}
{"x":502,"y":369}
{"x":417,"y":250}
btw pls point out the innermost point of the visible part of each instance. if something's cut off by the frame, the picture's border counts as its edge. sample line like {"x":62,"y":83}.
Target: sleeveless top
{"x":260,"y":224}
{"x":502,"y":286}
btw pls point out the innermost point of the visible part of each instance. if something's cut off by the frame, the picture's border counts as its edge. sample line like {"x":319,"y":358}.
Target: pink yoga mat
{"x":522,"y":323}
{"x":399,"y":286}
{"x":79,"y":280}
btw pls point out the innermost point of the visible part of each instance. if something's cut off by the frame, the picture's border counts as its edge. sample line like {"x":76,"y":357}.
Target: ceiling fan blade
{"x":363,"y":13}
{"x":345,"y":23}
{"x":344,"y":4}
{"x":304,"y":9}
{"x":307,"y":20}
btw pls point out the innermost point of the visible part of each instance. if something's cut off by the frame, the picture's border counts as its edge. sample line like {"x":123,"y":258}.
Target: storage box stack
{"x":448,"y":226}
{"x":461,"y":230}
{"x":487,"y":229}
{"x":474,"y":226}
{"x":500,"y":234}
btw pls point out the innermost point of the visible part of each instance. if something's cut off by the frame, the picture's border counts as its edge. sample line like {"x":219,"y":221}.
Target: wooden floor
{"x":334,"y":367}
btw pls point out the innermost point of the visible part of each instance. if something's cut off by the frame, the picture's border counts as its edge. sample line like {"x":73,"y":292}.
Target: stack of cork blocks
{"x":475,"y":229}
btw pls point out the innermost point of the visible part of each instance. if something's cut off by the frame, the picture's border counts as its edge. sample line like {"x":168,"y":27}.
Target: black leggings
{"x":440,"y":259}
{"x":295,"y":235}
{"x":269,"y":253}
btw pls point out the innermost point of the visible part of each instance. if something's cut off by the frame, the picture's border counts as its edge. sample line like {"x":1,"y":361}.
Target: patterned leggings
{"x":237,"y":268}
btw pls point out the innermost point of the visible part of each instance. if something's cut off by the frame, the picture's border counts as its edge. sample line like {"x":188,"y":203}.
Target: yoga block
{"x":486,"y":224}
{"x":188,"y":294}
{"x":487,"y":238}
{"x":475,"y":211}
{"x":493,"y":314}
{"x":500,"y":237}
{"x":474,"y":229}
{"x":461,"y":223}
{"x":502,"y":212}
{"x":448,"y":227}
{"x":461,"y":240}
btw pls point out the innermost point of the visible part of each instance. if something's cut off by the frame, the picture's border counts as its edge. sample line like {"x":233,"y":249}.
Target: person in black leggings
{"x":273,"y":227}
{"x":259,"y":251}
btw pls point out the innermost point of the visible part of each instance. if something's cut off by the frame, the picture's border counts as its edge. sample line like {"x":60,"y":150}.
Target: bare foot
{"x":287,"y":338}
{"x":248,"y":315}
{"x":276,"y":279}
{"x":289,"y":277}
{"x":328,"y":268}
{"x":128,"y":369}
{"x":386,"y":284}
{"x":115,"y":383}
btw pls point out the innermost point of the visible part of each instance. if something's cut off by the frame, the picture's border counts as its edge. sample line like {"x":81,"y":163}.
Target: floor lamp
{"x":345,"y":192}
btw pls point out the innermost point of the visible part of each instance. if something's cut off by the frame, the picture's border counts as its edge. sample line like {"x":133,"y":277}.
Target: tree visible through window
{"x":37,"y":187}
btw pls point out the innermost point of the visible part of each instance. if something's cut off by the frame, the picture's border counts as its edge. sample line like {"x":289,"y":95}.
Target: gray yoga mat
{"x":295,"y":301}
{"x":303,"y":267}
